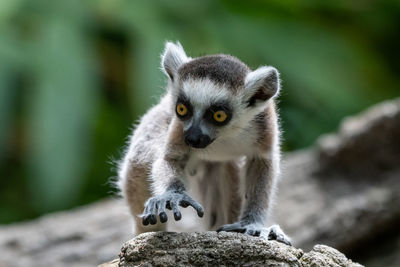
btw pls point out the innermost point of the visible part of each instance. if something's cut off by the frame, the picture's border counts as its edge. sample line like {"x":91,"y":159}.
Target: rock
{"x":344,"y":191}
{"x":366,"y":145}
{"x":86,"y":236}
{"x":113,"y":263}
{"x":220,"y":249}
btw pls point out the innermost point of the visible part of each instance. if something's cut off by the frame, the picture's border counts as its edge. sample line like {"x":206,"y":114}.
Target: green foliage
{"x":61,"y":112}
{"x":75,"y":75}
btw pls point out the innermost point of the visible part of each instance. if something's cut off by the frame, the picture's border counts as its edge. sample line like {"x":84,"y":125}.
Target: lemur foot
{"x":170,"y":200}
{"x":273,"y":232}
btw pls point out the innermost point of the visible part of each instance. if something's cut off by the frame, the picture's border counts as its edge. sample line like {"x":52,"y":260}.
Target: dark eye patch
{"x":208,"y":115}
{"x":182,"y":99}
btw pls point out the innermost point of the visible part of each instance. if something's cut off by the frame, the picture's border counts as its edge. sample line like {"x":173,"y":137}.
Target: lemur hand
{"x":273,"y":232}
{"x":170,"y":200}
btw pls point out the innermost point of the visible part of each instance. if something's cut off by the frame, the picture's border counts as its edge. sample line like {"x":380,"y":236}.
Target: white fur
{"x":173,"y":57}
{"x":258,"y":78}
{"x":203,"y":92}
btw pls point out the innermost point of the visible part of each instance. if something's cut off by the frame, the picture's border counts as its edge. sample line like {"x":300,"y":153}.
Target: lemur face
{"x":205,"y":109}
{"x":215,"y":96}
{"x":206,"y":97}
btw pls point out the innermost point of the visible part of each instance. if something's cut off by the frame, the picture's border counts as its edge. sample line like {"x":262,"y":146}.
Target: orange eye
{"x":181,"y":109}
{"x":220,"y":116}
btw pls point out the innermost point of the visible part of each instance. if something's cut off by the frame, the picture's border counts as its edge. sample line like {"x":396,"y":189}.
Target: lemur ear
{"x":261,"y":85}
{"x":172,"y":58}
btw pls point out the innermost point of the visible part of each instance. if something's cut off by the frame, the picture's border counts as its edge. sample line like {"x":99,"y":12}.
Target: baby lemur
{"x":212,"y":142}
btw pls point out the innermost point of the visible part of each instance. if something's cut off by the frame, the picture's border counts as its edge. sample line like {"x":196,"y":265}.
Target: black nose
{"x":195,"y":138}
{"x":198,"y":142}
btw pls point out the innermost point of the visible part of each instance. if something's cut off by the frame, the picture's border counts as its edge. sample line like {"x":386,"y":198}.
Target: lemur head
{"x":215,"y":96}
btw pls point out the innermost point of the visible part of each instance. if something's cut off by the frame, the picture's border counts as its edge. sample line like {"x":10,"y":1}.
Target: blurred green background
{"x":75,"y":75}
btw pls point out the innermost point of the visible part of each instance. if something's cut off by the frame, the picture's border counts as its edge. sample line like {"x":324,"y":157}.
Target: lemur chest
{"x":226,"y":150}
{"x":194,"y":167}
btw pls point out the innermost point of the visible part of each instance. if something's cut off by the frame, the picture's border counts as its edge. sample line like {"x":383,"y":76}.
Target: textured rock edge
{"x":211,"y":248}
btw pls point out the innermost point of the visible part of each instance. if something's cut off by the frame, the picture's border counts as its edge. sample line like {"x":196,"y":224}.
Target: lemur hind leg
{"x":260,"y":179}
{"x":136,"y":191}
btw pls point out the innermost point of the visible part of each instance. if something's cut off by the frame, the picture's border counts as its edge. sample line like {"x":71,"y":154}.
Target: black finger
{"x":145,"y":216}
{"x":168,"y":205}
{"x":177,"y":215}
{"x":232,"y":228}
{"x":223,"y":228}
{"x":152,"y":211}
{"x":195,"y":205}
{"x":282,"y":239}
{"x":163,"y":217}
{"x":237,"y":230}
{"x":145,"y":220}
{"x":161,"y":211}
{"x":175,"y":210}
{"x":152,"y":219}
{"x":272,"y":235}
{"x":257,"y":233}
{"x":287,"y":242}
{"x":250,"y":232}
{"x":184,"y":203}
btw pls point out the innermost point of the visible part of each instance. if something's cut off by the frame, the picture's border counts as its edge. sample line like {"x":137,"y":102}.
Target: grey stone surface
{"x":85,"y":236}
{"x":221,"y":249}
{"x":343,"y":192}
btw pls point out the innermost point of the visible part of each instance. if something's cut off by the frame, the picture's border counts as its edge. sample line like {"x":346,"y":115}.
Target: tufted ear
{"x":261,"y":85}
{"x":172,"y":58}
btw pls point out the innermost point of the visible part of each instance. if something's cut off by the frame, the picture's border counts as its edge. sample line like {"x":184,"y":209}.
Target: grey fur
{"x":222,"y":69}
{"x":258,"y":189}
{"x":160,"y":171}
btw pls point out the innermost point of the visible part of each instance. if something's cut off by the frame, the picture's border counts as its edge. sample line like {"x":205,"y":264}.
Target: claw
{"x":190,"y":201}
{"x":161,"y":210}
{"x":152,"y":219}
{"x":276,"y":233}
{"x":175,"y":209}
{"x":234,"y":227}
{"x":145,"y":220}
{"x":272,"y":235}
{"x":177,"y":215}
{"x":163,"y":217}
{"x":200,"y":213}
{"x":184,"y":204}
